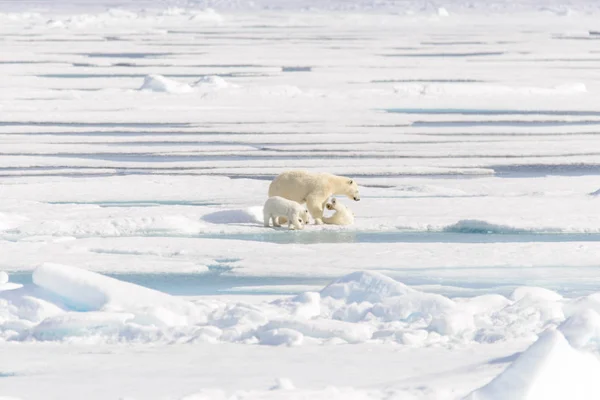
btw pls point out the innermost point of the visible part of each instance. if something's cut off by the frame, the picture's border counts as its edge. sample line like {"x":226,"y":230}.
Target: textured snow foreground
{"x":71,"y":305}
{"x":136,"y":149}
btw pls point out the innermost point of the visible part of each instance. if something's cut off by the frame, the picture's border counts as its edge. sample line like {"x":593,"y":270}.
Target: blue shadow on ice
{"x":453,"y":234}
{"x":215,"y":282}
{"x":486,"y":111}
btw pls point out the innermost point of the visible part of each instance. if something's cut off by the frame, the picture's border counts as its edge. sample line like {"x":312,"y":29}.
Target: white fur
{"x":276,"y":206}
{"x":342,"y":215}
{"x":313,"y":189}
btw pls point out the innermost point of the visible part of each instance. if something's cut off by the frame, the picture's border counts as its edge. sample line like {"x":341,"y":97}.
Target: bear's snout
{"x":356,"y":198}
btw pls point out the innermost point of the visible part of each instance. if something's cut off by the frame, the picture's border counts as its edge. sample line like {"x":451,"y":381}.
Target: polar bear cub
{"x":342,"y":215}
{"x":276,"y":206}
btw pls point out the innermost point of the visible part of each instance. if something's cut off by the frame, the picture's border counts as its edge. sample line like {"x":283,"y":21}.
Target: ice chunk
{"x":365,"y":286}
{"x":283,"y":336}
{"x":326,"y":329}
{"x":213,"y":82}
{"x":452,"y":323}
{"x":582,"y":328}
{"x":548,"y":369}
{"x":158,"y":83}
{"x":88,"y":291}
{"x":283,"y":384}
{"x":304,"y":305}
{"x":3,"y":278}
{"x":414,"y":305}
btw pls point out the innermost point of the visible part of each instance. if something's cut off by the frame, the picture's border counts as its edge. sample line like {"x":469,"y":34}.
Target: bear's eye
{"x":300,"y":220}
{"x":351,"y":181}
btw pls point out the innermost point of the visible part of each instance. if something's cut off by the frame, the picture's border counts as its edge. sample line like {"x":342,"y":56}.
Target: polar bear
{"x":295,"y":214}
{"x":342,"y":215}
{"x":313,"y":189}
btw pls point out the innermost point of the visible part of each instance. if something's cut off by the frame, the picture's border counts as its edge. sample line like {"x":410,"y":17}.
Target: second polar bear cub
{"x":276,"y":206}
{"x":342,"y":215}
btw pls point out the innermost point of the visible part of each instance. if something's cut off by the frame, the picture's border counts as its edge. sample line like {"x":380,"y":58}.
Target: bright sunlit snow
{"x":138,"y":140}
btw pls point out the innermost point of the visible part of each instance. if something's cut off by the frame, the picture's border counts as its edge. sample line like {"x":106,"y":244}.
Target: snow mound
{"x":480,"y":227}
{"x":326,"y":329}
{"x":283,"y":384}
{"x":83,"y":290}
{"x":213,"y":82}
{"x":582,"y":328}
{"x":66,"y":303}
{"x":158,"y":83}
{"x":365,"y":286}
{"x":246,"y":216}
{"x":280,"y":336}
{"x":548,"y":369}
{"x":209,"y":15}
{"x":442,"y":12}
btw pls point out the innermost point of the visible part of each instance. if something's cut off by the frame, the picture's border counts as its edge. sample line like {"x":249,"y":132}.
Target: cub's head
{"x":351,"y":189}
{"x":298,"y":220}
{"x":332,"y":204}
{"x":304,"y":216}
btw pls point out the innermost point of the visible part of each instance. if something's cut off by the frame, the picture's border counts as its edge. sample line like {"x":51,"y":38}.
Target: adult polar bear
{"x":313,"y":188}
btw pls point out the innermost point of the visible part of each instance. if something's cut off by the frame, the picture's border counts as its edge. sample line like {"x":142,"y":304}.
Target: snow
{"x":137,"y":143}
{"x":158,"y":83}
{"x":3,"y":278}
{"x":361,"y":286}
{"x":550,"y":368}
{"x":65,"y":303}
{"x":88,"y":291}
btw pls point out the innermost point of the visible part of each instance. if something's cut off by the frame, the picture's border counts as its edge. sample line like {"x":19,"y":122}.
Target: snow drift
{"x":159,"y":83}
{"x":68,"y":303}
{"x":549,"y":369}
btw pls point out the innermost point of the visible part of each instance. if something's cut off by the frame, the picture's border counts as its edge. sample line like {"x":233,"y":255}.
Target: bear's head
{"x":298,"y":220}
{"x":304,"y":216}
{"x":350,"y":189}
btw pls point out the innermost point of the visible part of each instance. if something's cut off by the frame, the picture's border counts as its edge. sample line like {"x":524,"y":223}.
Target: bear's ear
{"x":350,"y":181}
{"x":329,"y":207}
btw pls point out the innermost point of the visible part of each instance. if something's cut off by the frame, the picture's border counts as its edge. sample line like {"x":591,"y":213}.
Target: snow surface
{"x":137,"y":142}
{"x":548,"y":369}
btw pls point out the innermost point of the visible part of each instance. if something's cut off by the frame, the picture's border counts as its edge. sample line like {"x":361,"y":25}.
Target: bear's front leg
{"x":314,"y":204}
{"x":267,"y":220}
